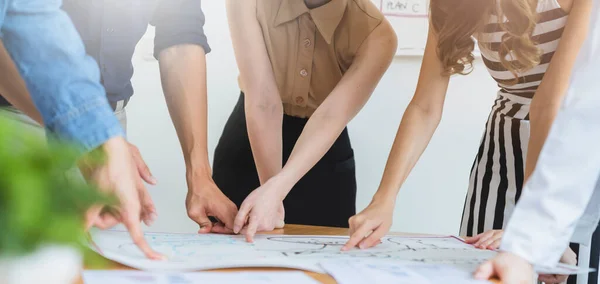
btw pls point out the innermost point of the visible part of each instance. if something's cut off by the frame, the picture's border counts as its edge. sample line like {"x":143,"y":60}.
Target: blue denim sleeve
{"x":179,"y":22}
{"x":63,"y":81}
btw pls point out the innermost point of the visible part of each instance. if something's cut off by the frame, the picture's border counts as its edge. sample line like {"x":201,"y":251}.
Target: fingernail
{"x":344,"y":248}
{"x":362,"y":246}
{"x":153,"y":180}
{"x":151,"y":219}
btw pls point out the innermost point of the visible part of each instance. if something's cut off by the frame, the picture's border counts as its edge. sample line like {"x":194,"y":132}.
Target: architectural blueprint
{"x":198,"y":252}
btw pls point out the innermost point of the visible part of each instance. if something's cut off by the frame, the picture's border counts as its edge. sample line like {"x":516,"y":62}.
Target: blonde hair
{"x":456,"y":22}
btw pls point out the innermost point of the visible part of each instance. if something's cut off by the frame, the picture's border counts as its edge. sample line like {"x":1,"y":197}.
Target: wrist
{"x":281,"y":185}
{"x":384,"y":197}
{"x":196,"y":177}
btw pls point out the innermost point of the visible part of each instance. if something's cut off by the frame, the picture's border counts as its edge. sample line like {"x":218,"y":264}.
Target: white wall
{"x":431,"y":201}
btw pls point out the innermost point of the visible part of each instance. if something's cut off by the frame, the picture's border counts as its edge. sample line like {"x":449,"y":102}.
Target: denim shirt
{"x":62,"y":80}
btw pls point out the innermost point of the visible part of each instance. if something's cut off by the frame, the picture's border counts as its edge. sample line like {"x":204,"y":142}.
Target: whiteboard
{"x":410,"y":21}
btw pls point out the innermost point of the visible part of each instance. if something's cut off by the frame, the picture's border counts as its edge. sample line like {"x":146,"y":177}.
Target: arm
{"x":13,"y":88}
{"x":419,"y":122}
{"x":183,"y":74}
{"x":181,"y":47}
{"x":562,"y":184}
{"x":72,"y":103}
{"x":263,"y":106}
{"x":64,"y":85}
{"x":550,"y":94}
{"x":345,"y":101}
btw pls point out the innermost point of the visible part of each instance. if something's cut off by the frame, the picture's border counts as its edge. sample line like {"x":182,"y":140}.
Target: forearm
{"x":318,"y":135}
{"x":264,"y":121}
{"x":549,"y":96}
{"x":541,"y":119}
{"x":183,"y":74}
{"x":413,"y":136}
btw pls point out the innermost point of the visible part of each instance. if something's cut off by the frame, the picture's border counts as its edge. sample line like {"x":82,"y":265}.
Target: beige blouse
{"x":310,"y":50}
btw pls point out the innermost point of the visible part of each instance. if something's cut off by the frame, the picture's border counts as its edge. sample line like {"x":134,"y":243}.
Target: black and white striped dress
{"x":497,"y":174}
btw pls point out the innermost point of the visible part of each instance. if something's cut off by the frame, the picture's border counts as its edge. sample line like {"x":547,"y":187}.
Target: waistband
{"x":512,"y":106}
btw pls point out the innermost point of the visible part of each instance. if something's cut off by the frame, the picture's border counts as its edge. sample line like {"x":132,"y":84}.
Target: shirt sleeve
{"x":63,"y":81}
{"x":179,"y":22}
{"x":565,"y":177}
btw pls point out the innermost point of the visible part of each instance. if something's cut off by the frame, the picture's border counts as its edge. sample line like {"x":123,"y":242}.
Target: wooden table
{"x":288,"y":230}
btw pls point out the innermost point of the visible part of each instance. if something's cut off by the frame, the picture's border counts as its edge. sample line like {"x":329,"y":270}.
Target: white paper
{"x":354,"y":272}
{"x":136,"y":277}
{"x":563,"y":269}
{"x":187,"y":252}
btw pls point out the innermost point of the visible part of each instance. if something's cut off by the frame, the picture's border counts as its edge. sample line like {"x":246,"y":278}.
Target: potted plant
{"x":41,"y":210}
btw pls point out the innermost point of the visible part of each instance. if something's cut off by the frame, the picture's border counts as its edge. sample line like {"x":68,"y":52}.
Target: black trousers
{"x":325,"y":196}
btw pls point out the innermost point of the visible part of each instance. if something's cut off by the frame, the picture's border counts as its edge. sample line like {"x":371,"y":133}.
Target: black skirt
{"x":325,"y":196}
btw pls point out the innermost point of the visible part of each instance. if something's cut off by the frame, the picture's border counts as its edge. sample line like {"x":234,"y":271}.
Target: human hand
{"x":487,"y":240}
{"x":369,"y":226}
{"x":148,"y":210}
{"x":105,"y":217}
{"x":118,"y":174}
{"x":508,"y":267}
{"x":205,"y":199}
{"x":569,"y":257}
{"x":262,"y":210}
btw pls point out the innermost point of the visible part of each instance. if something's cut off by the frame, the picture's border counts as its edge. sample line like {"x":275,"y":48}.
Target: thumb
{"x":226,"y":214}
{"x":485,"y":271}
{"x":91,"y":215}
{"x":203,"y":221}
{"x":279,"y":224}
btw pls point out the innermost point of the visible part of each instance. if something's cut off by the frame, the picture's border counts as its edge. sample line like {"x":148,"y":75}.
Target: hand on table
{"x":508,"y":267}
{"x":487,"y":240}
{"x":569,"y":257}
{"x":262,"y":210}
{"x":205,"y":199}
{"x":369,"y":226}
{"x":492,"y":239}
{"x":119,"y":174}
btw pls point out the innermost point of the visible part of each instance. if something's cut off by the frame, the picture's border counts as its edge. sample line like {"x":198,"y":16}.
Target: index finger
{"x":373,"y":239}
{"x":358,"y":236}
{"x":474,"y":239}
{"x":135,"y":230}
{"x":240,"y":219}
{"x":251,"y":229}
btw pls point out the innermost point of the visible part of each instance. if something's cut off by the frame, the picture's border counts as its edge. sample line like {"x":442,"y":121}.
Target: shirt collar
{"x":326,"y":18}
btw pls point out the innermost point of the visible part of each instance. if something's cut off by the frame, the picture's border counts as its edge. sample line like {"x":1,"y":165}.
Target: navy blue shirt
{"x":110,"y":30}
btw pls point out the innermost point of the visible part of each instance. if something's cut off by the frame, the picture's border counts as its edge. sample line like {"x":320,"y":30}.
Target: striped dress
{"x":497,"y":174}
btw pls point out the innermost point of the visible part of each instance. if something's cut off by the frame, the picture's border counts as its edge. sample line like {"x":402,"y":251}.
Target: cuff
{"x":179,"y":39}
{"x":88,"y":126}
